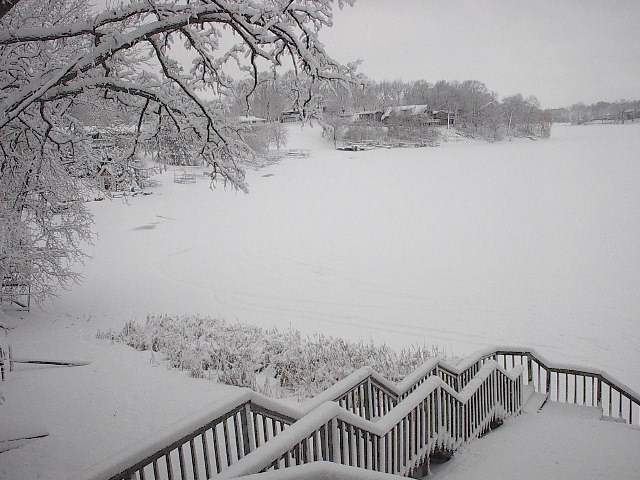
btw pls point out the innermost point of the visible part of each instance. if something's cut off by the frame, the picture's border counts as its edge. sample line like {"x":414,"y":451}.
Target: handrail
{"x":572,"y":384}
{"x":226,"y":433}
{"x":433,"y":415}
{"x":214,"y":438}
{"x":321,"y":470}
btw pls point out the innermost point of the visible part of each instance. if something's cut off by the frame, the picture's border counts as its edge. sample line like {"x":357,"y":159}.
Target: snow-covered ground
{"x":462,"y":246}
{"x":560,"y":441}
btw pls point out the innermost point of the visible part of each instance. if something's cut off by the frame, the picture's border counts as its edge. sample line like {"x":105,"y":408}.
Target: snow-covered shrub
{"x":412,"y":132}
{"x":365,"y":133}
{"x":269,"y":361}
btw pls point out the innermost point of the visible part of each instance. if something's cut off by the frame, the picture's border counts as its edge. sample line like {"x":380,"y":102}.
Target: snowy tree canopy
{"x":152,"y":69}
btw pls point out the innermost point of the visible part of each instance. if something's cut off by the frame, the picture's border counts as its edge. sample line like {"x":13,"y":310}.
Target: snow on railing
{"x":210,"y":442}
{"x":567,"y":383}
{"x":321,"y":471}
{"x":433,"y":416}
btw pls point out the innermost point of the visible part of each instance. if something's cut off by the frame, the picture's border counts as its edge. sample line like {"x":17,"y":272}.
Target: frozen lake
{"x":461,"y":246}
{"x":532,"y":243}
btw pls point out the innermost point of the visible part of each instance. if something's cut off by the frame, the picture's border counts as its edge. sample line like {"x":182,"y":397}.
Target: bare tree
{"x":473,"y":95}
{"x":492,"y":117}
{"x":391,"y":93}
{"x":532,"y":112}
{"x":579,"y":113}
{"x":619,"y":107}
{"x":513,"y":107}
{"x":57,"y":57}
{"x":278,"y":135}
{"x":266,"y":100}
{"x":417,"y":92}
{"x":333,"y":127}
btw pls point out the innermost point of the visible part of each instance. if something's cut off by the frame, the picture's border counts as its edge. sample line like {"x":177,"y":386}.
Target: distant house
{"x":105,"y":179}
{"x":444,"y":117}
{"x":409,"y":115}
{"x":110,"y":136}
{"x":251,"y":120}
{"x":290,"y":116}
{"x":368,"y":116}
{"x":630,"y":114}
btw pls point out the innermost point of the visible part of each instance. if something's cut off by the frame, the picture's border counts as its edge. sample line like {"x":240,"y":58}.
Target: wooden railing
{"x":321,"y":470}
{"x":433,"y":416}
{"x":570,"y":384}
{"x":214,"y":440}
{"x":204,"y":444}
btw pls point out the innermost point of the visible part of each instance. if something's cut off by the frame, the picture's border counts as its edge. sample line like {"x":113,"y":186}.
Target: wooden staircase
{"x":365,"y":424}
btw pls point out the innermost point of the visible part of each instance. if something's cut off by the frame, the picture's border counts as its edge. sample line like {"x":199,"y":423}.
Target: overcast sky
{"x":562,"y":51}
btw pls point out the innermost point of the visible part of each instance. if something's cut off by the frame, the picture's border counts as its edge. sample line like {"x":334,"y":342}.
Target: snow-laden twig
{"x":64,"y":69}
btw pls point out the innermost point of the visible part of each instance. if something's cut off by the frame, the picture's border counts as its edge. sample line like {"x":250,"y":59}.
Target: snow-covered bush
{"x":269,"y":361}
{"x":364,"y":133}
{"x":412,"y":132}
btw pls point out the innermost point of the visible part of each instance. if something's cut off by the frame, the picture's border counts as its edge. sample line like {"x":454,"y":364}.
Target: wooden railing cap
{"x":312,"y":414}
{"x":159,"y":440}
{"x":328,"y":411}
{"x":321,"y":471}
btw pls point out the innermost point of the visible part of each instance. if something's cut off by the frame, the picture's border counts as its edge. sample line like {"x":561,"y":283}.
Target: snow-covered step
{"x":534,"y":403}
{"x":527,"y":392}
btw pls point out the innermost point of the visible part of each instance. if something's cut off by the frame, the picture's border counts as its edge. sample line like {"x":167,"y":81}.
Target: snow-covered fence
{"x":375,"y":396}
{"x":15,"y":289}
{"x":6,"y":357}
{"x":365,"y":420}
{"x":434,"y":416}
{"x":211,"y":442}
{"x":184,"y":175}
{"x":569,"y":383}
{"x":298,"y":153}
{"x":201,"y":445}
{"x":321,"y":471}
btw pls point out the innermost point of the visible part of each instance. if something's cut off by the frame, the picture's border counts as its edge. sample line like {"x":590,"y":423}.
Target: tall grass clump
{"x":273,"y":362}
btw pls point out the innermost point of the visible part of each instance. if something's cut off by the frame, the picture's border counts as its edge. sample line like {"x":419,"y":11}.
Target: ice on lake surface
{"x":461,"y":246}
{"x":465,"y":245}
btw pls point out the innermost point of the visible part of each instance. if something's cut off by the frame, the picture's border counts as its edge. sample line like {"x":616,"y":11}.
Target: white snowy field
{"x":469,"y":244}
{"x":534,"y":243}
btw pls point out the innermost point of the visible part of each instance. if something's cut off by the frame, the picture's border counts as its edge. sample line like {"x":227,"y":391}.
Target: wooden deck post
{"x":379,"y":454}
{"x":548,"y":384}
{"x":335,"y":444}
{"x":599,"y":393}
{"x":368,"y":400}
{"x":247,"y":427}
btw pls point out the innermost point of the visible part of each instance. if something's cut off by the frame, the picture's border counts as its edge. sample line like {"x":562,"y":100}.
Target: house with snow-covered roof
{"x":106,"y":179}
{"x":290,"y":116}
{"x":369,"y":116}
{"x":251,"y":120}
{"x":444,"y":117}
{"x":409,"y":115}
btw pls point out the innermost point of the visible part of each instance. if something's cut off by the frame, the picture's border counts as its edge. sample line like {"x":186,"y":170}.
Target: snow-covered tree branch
{"x":150,"y":66}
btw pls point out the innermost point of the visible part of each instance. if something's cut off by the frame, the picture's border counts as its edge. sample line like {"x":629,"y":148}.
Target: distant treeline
{"x":475,"y":108}
{"x":605,"y":112}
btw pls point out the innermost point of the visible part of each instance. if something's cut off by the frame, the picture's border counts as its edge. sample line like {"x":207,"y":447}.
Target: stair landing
{"x":558,"y":441}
